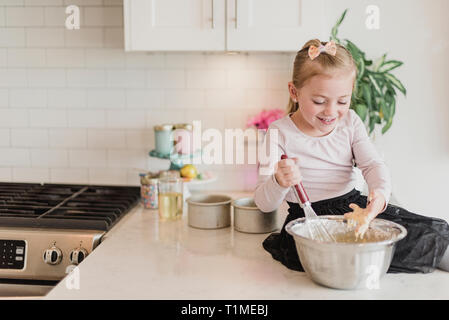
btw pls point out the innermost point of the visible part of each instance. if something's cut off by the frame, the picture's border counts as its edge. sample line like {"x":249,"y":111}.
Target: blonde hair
{"x":305,"y":68}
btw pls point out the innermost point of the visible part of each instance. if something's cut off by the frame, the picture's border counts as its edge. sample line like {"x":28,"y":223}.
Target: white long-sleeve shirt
{"x":326,"y":163}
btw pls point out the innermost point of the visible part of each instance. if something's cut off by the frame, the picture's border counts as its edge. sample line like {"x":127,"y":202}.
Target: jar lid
{"x":163,"y":127}
{"x":186,"y":126}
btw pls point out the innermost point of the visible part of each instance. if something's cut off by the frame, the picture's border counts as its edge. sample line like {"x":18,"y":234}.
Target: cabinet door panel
{"x":274,"y":25}
{"x":174,"y":25}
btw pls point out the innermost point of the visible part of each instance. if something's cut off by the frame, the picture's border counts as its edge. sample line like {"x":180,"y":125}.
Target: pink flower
{"x":265,"y":118}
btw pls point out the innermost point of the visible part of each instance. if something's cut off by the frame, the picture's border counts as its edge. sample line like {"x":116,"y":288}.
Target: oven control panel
{"x":12,"y":254}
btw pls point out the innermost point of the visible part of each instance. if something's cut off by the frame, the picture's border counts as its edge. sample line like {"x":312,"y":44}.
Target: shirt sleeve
{"x":368,"y":160}
{"x":269,"y":195}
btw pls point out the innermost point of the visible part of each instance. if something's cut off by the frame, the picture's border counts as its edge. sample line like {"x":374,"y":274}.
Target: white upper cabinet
{"x":222,"y":25}
{"x":174,"y":25}
{"x":273,"y":25}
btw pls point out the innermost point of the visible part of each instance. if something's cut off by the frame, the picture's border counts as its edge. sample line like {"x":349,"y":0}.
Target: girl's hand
{"x":361,"y":217}
{"x":287,"y":172}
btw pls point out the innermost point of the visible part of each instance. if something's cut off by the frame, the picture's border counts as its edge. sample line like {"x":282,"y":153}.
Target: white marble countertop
{"x":143,"y":258}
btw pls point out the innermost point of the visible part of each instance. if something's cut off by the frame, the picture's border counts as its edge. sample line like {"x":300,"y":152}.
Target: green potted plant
{"x":374,"y":95}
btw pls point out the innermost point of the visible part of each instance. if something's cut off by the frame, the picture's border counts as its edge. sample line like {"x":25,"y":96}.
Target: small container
{"x":163,"y":135}
{"x":249,"y":219}
{"x":174,"y":174}
{"x":170,"y":199}
{"x":209,"y":211}
{"x":149,"y":192}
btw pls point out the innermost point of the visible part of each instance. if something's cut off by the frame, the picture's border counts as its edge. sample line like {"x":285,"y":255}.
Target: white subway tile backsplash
{"x":12,"y":157}
{"x":67,"y":98}
{"x":86,"y":78}
{"x":5,"y":137}
{"x":168,"y":79}
{"x":87,"y":158}
{"x":206,"y":79}
{"x":12,"y":118}
{"x":46,"y":78}
{"x":140,"y":139}
{"x":5,"y":174}
{"x":45,"y":37}
{"x":228,"y":61}
{"x":48,"y":118}
{"x":66,"y":58}
{"x":185,"y":98}
{"x":226,"y":98}
{"x":49,"y":158}
{"x":3,"y":58}
{"x":103,"y":16}
{"x":31,"y":138}
{"x":13,"y":78}
{"x":150,"y":60}
{"x":114,"y":38}
{"x":127,"y":119}
{"x":69,"y":175}
{"x":161,"y":116}
{"x":43,"y":2}
{"x":105,"y":58}
{"x":112,"y":176}
{"x":180,"y":60}
{"x":27,"y":57}
{"x":126,"y":78}
{"x":246,"y":79}
{"x":84,"y":37}
{"x":127,"y":159}
{"x":4,"y":98}
{"x":106,"y":98}
{"x":28,"y":98}
{"x":24,"y":16}
{"x":86,"y":118}
{"x":12,"y":37}
{"x":68,"y":138}
{"x":84,"y":2}
{"x":35,"y":175}
{"x":2,"y":17}
{"x":144,"y":99}
{"x":106,"y":139}
{"x":56,"y":16}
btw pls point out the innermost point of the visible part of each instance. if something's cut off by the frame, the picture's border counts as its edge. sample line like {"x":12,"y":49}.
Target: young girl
{"x":323,"y":139}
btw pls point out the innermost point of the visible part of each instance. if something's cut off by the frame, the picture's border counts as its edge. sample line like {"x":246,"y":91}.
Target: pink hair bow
{"x":329,"y":48}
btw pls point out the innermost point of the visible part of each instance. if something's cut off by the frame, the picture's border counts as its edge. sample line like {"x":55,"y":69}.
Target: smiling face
{"x":323,"y":101}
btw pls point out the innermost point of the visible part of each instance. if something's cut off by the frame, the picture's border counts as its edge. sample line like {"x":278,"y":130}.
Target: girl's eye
{"x":318,"y":102}
{"x":343,"y":103}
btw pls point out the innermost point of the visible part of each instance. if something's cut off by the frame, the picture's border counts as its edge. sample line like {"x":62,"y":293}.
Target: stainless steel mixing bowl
{"x":346,"y":265}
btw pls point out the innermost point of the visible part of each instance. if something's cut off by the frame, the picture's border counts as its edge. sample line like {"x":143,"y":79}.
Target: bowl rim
{"x":401,"y":236}
{"x":191,"y":200}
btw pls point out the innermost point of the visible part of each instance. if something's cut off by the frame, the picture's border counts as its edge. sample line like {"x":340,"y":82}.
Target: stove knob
{"x":52,"y":256}
{"x":78,"y":255}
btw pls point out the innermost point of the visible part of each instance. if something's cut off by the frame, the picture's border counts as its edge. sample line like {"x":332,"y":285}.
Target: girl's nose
{"x":331,"y":109}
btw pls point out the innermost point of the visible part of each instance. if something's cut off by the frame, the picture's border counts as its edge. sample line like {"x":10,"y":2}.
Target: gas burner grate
{"x":64,"y":206}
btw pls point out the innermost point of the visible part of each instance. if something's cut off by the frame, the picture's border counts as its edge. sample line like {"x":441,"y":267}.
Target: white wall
{"x":416,"y":147}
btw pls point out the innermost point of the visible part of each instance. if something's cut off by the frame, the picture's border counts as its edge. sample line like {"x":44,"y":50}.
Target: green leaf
{"x":334,"y":31}
{"x":390,"y":65}
{"x":372,"y":122}
{"x":361,"y":110}
{"x":367,"y":96}
{"x":361,"y":69}
{"x":387,"y":126}
{"x":379,"y":62}
{"x":395,"y":82}
{"x":375,"y":85}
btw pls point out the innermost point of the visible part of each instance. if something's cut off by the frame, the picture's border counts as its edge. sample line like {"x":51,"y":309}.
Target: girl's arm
{"x":269,"y":195}
{"x":373,"y":167}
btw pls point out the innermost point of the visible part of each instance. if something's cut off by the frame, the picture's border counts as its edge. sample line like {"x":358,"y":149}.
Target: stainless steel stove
{"x":45,"y":229}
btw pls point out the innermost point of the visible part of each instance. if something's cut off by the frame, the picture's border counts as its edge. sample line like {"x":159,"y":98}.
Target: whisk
{"x":316,"y":227}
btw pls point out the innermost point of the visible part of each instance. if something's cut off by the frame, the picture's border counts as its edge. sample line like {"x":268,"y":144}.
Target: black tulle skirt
{"x":420,"y":251}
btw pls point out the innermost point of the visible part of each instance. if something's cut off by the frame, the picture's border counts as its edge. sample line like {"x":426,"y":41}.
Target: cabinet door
{"x":174,"y":25}
{"x":274,"y":25}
